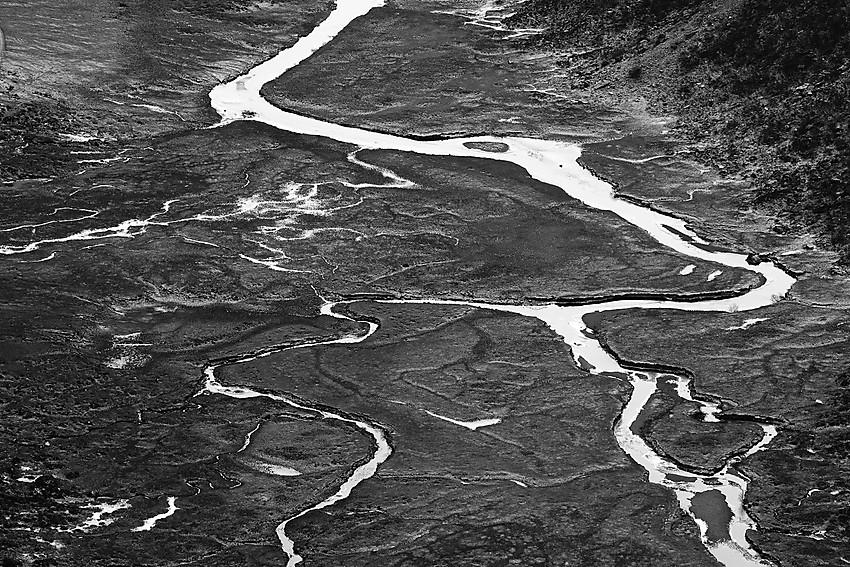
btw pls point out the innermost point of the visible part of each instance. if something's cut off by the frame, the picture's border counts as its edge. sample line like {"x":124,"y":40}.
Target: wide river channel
{"x":551,"y":162}
{"x":554,"y":163}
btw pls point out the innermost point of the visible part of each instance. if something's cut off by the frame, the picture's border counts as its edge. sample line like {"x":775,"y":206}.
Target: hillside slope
{"x":763,"y":84}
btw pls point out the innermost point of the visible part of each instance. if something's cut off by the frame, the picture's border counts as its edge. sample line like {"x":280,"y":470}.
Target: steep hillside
{"x":764,"y":84}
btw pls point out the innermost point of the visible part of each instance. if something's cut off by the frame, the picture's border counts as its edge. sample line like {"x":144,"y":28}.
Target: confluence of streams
{"x":554,"y":163}
{"x":550,"y":162}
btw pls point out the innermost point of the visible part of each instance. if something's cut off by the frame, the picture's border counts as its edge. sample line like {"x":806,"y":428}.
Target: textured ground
{"x":103,"y":341}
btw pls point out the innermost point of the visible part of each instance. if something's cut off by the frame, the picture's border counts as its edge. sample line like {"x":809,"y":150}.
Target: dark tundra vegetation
{"x":763,"y":84}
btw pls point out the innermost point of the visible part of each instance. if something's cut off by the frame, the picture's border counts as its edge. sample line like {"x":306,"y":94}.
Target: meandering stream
{"x":382,"y":447}
{"x":555,"y":163}
{"x":551,"y":162}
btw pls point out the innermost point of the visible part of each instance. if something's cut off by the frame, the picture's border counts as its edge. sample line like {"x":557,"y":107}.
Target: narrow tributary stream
{"x":360,"y":473}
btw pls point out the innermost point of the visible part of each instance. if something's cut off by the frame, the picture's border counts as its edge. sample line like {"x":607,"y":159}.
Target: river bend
{"x":551,"y":162}
{"x":555,"y":163}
